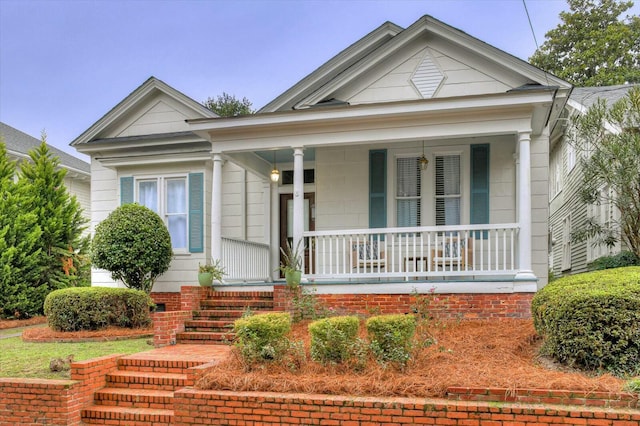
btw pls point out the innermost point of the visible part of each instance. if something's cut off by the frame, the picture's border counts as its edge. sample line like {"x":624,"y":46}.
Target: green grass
{"x":31,"y":360}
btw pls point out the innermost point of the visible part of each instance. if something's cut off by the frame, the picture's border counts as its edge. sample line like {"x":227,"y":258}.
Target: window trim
{"x":161,"y":189}
{"x":565,"y":264}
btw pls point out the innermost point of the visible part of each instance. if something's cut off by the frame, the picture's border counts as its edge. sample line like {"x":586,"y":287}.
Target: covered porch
{"x":493,"y":255}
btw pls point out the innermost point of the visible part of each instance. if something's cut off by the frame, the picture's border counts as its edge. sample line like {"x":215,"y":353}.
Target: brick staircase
{"x":213,"y":323}
{"x":140,"y":392}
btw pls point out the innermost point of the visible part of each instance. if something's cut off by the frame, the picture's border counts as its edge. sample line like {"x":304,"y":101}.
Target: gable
{"x":427,"y":60}
{"x":157,"y":115}
{"x":429,"y":68}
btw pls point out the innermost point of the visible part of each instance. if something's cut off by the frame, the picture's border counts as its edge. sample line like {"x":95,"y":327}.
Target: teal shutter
{"x":126,"y":190}
{"x":480,"y":185}
{"x":378,"y":188}
{"x":196,"y":212}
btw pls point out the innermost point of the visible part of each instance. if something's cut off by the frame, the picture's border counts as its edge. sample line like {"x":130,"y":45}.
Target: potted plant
{"x":291,"y":264}
{"x":209,"y":272}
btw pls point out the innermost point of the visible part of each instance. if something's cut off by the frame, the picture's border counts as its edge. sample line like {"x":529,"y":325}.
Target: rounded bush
{"x":262,"y":337}
{"x":332,"y":339}
{"x":592,"y":320}
{"x":391,"y":336}
{"x":94,"y":308}
{"x":133,"y":244}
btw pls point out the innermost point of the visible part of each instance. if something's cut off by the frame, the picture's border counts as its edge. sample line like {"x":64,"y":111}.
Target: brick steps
{"x":146,"y":380}
{"x":213,"y":322}
{"x":109,"y":415}
{"x":136,"y":398}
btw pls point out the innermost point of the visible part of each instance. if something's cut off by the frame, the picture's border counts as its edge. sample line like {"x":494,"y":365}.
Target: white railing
{"x":462,"y":250}
{"x":245,"y":260}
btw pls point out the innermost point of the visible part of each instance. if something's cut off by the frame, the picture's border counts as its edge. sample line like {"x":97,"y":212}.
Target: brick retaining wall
{"x":268,"y":408}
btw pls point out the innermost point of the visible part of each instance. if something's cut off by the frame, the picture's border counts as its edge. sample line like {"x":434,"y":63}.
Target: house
{"x":566,"y":211}
{"x":416,"y":159}
{"x":78,"y":178}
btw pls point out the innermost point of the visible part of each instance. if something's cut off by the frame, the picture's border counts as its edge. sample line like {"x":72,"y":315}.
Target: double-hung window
{"x":408,"y":191}
{"x":167,"y":196}
{"x":448,"y":190}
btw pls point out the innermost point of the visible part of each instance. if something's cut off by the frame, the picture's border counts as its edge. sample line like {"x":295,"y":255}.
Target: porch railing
{"x":420,"y":252}
{"x":245,"y":260}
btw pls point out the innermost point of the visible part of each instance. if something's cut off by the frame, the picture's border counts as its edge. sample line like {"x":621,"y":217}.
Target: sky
{"x":66,"y":63}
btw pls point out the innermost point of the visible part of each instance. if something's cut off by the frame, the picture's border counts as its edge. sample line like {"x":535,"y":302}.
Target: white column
{"x":298,"y":197}
{"x":525,"y":271}
{"x":216,"y":208}
{"x":275,"y":230}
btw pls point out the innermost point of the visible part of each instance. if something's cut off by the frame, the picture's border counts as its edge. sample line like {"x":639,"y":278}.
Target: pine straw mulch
{"x":15,"y":323}
{"x":477,"y":354}
{"x":45,"y":334}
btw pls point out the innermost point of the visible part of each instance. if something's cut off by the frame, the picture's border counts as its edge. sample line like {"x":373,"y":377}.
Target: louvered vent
{"x":427,"y":77}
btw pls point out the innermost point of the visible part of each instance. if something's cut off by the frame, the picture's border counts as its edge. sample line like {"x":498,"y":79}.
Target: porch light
{"x":423,"y":160}
{"x":275,"y":174}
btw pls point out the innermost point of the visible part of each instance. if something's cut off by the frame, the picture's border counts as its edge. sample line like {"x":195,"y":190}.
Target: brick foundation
{"x":267,"y":408}
{"x":171,"y":300}
{"x":167,"y":324}
{"x":464,"y":306}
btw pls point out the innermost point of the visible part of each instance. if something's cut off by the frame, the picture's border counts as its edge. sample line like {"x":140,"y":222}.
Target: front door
{"x":286,"y":223}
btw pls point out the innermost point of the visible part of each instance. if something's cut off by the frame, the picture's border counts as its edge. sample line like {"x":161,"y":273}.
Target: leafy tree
{"x":133,"y":244}
{"x":59,"y":215}
{"x":608,"y":137}
{"x":227,"y":105}
{"x":21,"y":290}
{"x":592,"y":46}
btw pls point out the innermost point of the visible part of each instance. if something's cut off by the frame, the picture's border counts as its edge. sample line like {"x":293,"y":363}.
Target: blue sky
{"x":64,"y":64}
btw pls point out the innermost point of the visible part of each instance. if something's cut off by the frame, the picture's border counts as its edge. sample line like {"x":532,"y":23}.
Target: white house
{"x":78,"y":177}
{"x":415,"y":158}
{"x":567,"y":212}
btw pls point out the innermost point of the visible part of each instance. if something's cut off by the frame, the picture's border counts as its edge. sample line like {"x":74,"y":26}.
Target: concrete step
{"x":146,"y":380}
{"x":137,"y":398}
{"x":101,"y":414}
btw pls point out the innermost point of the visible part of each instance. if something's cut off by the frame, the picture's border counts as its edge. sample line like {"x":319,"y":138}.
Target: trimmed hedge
{"x":332,"y":339}
{"x":391,"y":336}
{"x":592,"y":320}
{"x":262,"y":337}
{"x":94,"y":308}
{"x":620,"y":260}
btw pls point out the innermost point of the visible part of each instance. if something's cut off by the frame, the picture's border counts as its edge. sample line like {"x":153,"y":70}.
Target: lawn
{"x":21,"y":359}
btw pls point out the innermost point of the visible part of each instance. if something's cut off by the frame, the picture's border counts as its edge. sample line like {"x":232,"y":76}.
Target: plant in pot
{"x":291,"y":264}
{"x":209,"y":272}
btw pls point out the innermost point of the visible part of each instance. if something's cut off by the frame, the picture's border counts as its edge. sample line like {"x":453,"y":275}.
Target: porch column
{"x":216,"y":208}
{"x":298,"y":197}
{"x":525,"y":271}
{"x":275,"y":229}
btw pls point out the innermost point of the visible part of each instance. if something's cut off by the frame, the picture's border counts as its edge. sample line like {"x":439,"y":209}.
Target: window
{"x":448,"y":192}
{"x":408,"y":191}
{"x":555,"y":173}
{"x":602,"y":214}
{"x":167,"y":196}
{"x":571,"y":157}
{"x":566,"y":243}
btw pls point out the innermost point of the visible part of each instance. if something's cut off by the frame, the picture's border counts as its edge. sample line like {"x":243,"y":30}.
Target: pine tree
{"x":59,"y":215}
{"x":20,"y":260}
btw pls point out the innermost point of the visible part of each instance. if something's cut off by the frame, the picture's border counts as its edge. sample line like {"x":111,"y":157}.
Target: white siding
{"x":540,"y":207}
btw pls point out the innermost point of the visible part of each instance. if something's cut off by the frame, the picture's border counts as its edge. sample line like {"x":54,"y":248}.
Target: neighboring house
{"x":415,"y":158}
{"x":78,"y":178}
{"x":567,"y":212}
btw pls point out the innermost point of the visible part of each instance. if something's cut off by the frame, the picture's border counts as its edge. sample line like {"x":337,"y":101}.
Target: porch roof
{"x":503,"y":113}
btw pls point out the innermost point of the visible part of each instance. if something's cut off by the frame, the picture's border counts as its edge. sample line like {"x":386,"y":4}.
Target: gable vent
{"x":427,"y":77}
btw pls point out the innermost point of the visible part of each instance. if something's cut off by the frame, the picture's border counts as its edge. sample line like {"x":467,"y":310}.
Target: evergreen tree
{"x":21,"y":293}
{"x":227,"y":105}
{"x":593,"y":46}
{"x":59,"y":215}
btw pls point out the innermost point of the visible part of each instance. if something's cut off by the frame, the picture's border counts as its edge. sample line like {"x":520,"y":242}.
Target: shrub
{"x":262,"y":337}
{"x":390,"y":337}
{"x":591,"y":320}
{"x":94,"y":308}
{"x":332,"y":339}
{"x":620,"y":260}
{"x":133,"y":244}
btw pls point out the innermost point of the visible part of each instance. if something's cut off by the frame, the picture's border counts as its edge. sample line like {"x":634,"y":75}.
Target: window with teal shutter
{"x":126,"y":190}
{"x":480,"y":185}
{"x":196,"y":212}
{"x":378,"y":188}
